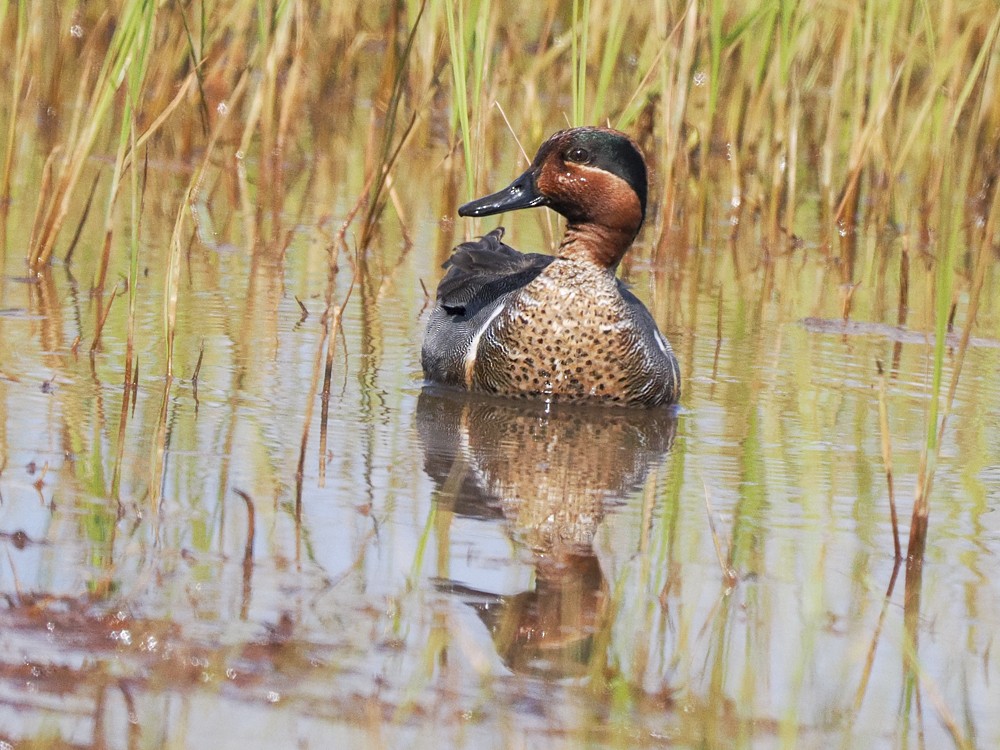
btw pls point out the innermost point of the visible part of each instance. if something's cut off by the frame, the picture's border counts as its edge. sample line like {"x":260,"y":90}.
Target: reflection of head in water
{"x":548,"y":630}
{"x":550,"y":471}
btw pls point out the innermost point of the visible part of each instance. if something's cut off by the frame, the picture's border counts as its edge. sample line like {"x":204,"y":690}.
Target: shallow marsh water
{"x":234,"y":561}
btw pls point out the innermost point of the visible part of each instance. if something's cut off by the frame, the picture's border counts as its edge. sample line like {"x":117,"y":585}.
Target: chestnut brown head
{"x":589,"y":175}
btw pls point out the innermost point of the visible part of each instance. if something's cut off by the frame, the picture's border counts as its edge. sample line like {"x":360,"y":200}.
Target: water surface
{"x":234,"y":560}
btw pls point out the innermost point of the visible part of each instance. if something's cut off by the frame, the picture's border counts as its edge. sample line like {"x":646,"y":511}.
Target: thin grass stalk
{"x":248,"y":552}
{"x":129,"y":145}
{"x":866,"y":671}
{"x":862,"y":142}
{"x":102,"y":319}
{"x":127,"y":396}
{"x":915,"y":675}
{"x":44,"y":191}
{"x":939,"y":75}
{"x":100,"y":274}
{"x":943,"y":296}
{"x":278,"y":50}
{"x":273,"y":31}
{"x":883,"y":413}
{"x":17,"y":84}
{"x":636,"y":103}
{"x":716,"y":11}
{"x":973,"y":77}
{"x":161,"y":118}
{"x":983,"y":258}
{"x":332,"y":317}
{"x":388,"y":153}
{"x":137,"y":15}
{"x":455,"y":18}
{"x":172,"y":291}
{"x":480,"y":68}
{"x":290,"y":92}
{"x":943,"y":301}
{"x":787,"y":81}
{"x":610,"y":55}
{"x":135,"y":225}
{"x":71,"y":248}
{"x":578,"y":62}
{"x":829,"y":149}
{"x":194,"y":56}
{"x":282,"y":108}
{"x":729,"y":575}
{"x":172,"y":278}
{"x":135,"y":75}
{"x":675,"y":76}
{"x":792,"y":162}
{"x":158,"y":450}
{"x":885,"y":62}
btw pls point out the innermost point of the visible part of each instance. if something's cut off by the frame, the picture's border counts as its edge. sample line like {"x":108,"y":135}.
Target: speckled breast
{"x":568,"y":334}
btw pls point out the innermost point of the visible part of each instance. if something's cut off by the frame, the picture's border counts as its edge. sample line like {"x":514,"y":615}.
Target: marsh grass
{"x":770,"y":118}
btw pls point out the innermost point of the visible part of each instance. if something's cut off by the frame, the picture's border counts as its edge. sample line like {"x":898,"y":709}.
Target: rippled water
{"x":244,"y":564}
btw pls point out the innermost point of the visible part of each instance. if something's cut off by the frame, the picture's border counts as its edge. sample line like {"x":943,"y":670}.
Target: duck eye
{"x":578,"y":155}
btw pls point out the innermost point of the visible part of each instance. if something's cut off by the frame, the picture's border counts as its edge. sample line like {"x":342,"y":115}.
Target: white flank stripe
{"x":661,"y":342}
{"x":470,"y":355}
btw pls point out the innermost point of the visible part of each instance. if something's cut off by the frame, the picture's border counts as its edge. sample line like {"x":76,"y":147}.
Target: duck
{"x":560,"y":327}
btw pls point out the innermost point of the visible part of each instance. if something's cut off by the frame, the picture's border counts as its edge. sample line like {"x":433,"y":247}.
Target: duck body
{"x":561,"y":327}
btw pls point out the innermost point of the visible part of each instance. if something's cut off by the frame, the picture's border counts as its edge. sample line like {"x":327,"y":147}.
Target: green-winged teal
{"x":563,"y":326}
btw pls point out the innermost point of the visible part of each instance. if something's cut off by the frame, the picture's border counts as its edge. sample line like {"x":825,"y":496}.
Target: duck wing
{"x":482,"y":274}
{"x":483,"y":270}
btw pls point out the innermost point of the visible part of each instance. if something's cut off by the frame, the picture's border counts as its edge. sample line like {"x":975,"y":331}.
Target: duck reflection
{"x":550,"y":472}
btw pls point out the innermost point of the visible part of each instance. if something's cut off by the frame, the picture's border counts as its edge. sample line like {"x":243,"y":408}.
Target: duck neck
{"x":599,"y":244}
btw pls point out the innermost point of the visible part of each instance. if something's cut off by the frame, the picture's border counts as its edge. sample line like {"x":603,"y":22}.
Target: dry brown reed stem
{"x":135,"y":383}
{"x":158,"y":449}
{"x":43,"y":193}
{"x":915,"y":675}
{"x":290,"y":91}
{"x":247,"y":551}
{"x":728,"y":572}
{"x":675,"y":75}
{"x":983,"y":260}
{"x":791,"y":196}
{"x":718,"y":339}
{"x":195,"y":375}
{"x":128,"y":394}
{"x":846,"y":211}
{"x":50,"y":215}
{"x":548,"y":230}
{"x":109,"y":217}
{"x":126,"y":56}
{"x":96,"y":344}
{"x":883,"y":412}
{"x":172,"y":278}
{"x":17,"y":84}
{"x":331,"y":323}
{"x":341,"y":237}
{"x":387,"y":154}
{"x":161,"y":118}
{"x":375,"y":182}
{"x":71,"y":248}
{"x":866,"y":671}
{"x":829,"y":151}
{"x":624,"y":118}
{"x":925,"y":479}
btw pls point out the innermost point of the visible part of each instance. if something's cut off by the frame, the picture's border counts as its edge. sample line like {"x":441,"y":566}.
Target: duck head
{"x":595,"y":177}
